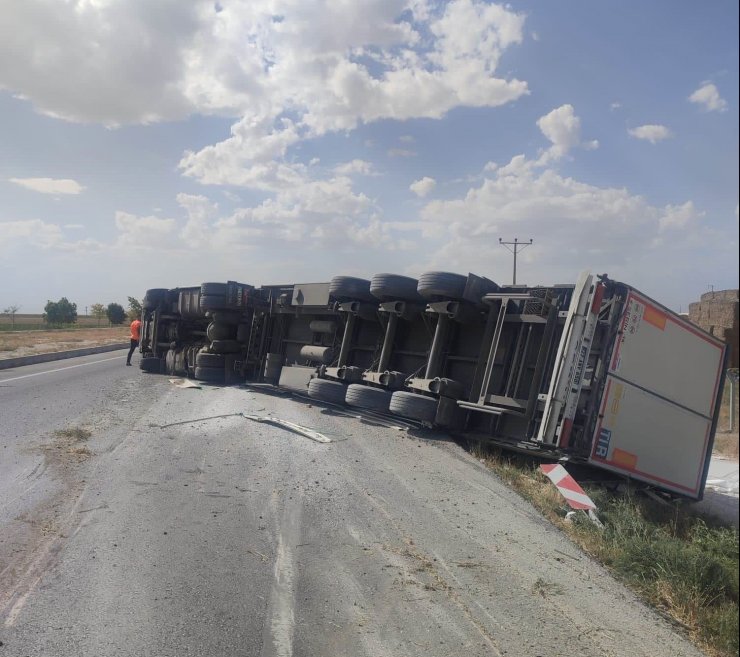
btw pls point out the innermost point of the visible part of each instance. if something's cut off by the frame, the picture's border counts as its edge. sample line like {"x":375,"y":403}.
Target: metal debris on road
{"x":290,"y":426}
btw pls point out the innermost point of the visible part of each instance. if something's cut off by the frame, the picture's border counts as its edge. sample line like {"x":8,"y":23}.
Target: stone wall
{"x":718,"y":314}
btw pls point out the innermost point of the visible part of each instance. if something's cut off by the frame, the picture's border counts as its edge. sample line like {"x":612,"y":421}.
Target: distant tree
{"x":98,"y":311}
{"x":134,"y":309}
{"x":11,"y":310}
{"x":60,"y":312}
{"x":115,"y":313}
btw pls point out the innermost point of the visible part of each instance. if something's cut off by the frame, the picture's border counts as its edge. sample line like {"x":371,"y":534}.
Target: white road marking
{"x":59,"y":369}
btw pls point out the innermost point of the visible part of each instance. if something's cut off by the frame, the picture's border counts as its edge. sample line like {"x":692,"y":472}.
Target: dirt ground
{"x":28,"y":343}
{"x":727,"y":445}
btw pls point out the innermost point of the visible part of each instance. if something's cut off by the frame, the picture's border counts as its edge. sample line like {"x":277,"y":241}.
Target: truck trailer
{"x":593,"y":372}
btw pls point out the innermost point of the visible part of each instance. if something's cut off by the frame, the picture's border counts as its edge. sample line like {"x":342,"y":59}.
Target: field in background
{"x":27,"y":322}
{"x":28,"y":343}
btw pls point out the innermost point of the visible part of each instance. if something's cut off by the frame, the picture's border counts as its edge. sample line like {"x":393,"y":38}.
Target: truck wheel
{"x":204,"y":359}
{"x":215,"y":289}
{"x":219,"y":331}
{"x":153,"y":298}
{"x":391,"y":287}
{"x":366,"y":397}
{"x":441,"y":285}
{"x":225,"y":347}
{"x":328,"y":391}
{"x":151,"y":364}
{"x":347,"y":288}
{"x":213,"y":302}
{"x":413,"y":406}
{"x":210,"y":374}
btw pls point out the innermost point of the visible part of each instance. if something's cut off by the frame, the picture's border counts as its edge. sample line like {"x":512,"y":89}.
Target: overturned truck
{"x":594,"y":371}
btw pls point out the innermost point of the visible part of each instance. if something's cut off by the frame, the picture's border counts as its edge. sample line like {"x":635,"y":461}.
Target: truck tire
{"x":441,"y":285}
{"x":210,"y":374}
{"x":219,"y":331}
{"x":413,"y":406}
{"x":225,"y":347}
{"x":153,"y":298}
{"x":391,"y":287}
{"x":215,"y":289}
{"x":374,"y":399}
{"x":205,"y":359}
{"x":151,"y":364}
{"x":348,"y":288}
{"x":328,"y":391}
{"x":213,"y":302}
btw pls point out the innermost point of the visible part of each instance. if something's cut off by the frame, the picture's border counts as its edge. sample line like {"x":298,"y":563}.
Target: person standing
{"x":135,"y":337}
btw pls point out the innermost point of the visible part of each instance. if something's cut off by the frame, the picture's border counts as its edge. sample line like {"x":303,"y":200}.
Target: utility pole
{"x":518,"y":246}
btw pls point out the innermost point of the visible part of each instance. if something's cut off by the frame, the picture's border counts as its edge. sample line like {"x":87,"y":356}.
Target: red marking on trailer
{"x":565,"y":433}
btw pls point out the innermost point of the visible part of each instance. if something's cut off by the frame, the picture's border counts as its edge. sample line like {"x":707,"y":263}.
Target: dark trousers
{"x":134,"y":344}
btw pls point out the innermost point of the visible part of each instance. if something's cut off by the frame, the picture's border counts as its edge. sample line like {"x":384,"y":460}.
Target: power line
{"x":518,"y":246}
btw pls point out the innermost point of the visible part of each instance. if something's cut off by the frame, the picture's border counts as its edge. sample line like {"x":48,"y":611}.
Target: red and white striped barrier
{"x":568,"y":487}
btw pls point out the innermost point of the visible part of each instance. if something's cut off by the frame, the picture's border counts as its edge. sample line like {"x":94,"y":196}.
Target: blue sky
{"x":161,"y":145}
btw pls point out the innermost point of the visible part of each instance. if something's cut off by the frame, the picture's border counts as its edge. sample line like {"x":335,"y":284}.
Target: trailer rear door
{"x":656,"y":417}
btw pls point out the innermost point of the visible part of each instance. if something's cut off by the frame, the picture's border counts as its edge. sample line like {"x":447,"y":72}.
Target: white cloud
{"x":650,"y":132}
{"x":143,"y":232}
{"x":360,"y":167}
{"x":49,"y":185}
{"x":31,"y":231}
{"x":333,"y":64}
{"x":200,"y":212}
{"x":708,"y":96}
{"x":332,"y":68}
{"x":563,"y":128}
{"x":575,"y":224}
{"x":401,"y":152}
{"x":406,"y":139}
{"x":423,"y":186}
{"x":41,"y":234}
{"x":74,"y":226}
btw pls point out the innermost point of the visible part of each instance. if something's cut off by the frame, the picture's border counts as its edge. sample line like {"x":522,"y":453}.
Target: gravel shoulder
{"x":228,"y":537}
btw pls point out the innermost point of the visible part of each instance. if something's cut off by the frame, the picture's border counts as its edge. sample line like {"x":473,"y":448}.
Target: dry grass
{"x":27,"y":343}
{"x":727,"y":444}
{"x":70,"y":442}
{"x":684,"y":566}
{"x":74,"y":434}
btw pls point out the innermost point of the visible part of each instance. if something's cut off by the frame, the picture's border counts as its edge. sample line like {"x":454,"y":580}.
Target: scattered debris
{"x":198,"y":419}
{"x":291,"y":426}
{"x":185,"y":383}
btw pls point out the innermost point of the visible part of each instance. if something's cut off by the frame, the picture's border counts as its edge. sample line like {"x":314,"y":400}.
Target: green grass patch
{"x":681,"y":563}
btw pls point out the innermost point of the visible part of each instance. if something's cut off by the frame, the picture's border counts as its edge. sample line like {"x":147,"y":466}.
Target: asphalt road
{"x":226,"y":537}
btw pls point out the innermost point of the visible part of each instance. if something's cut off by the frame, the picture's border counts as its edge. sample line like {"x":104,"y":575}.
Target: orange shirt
{"x":136,"y":329}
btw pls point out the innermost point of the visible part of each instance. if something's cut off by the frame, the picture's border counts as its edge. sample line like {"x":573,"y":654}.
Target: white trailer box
{"x":658,"y":412}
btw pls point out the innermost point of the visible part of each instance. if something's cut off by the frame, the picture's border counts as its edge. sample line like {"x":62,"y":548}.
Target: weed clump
{"x":684,"y":565}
